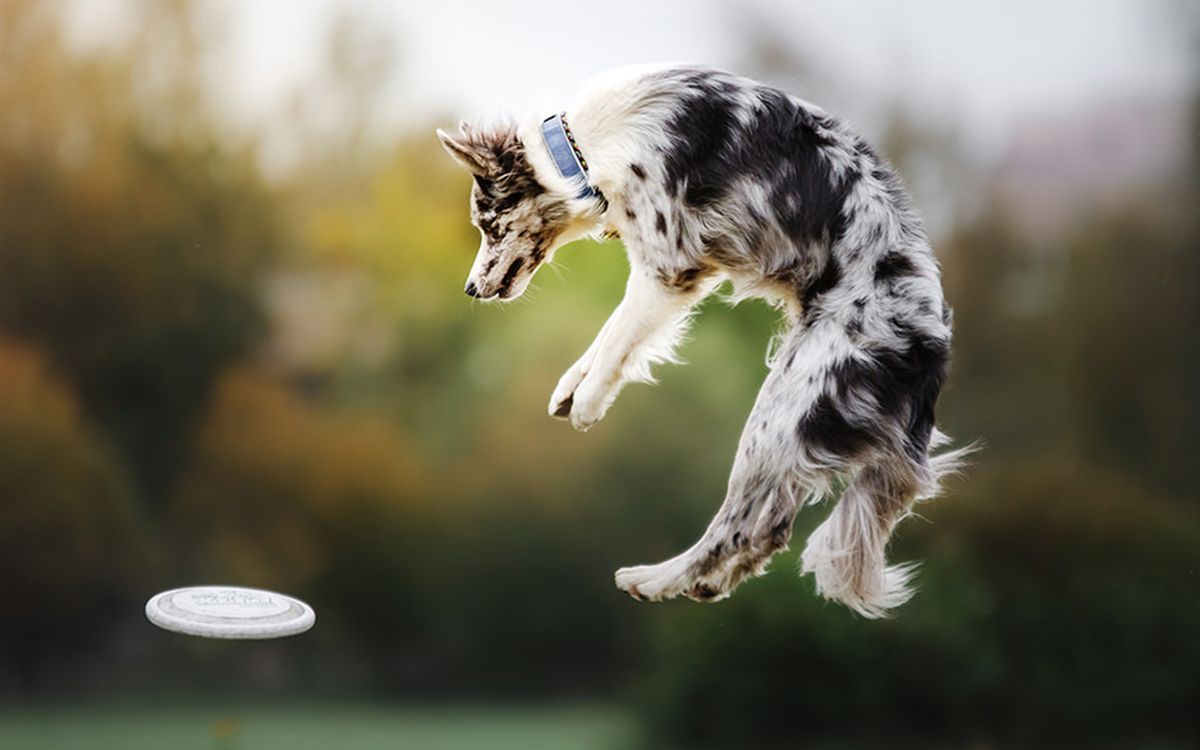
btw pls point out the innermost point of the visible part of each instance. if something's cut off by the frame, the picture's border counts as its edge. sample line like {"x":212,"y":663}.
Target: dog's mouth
{"x":511,"y":285}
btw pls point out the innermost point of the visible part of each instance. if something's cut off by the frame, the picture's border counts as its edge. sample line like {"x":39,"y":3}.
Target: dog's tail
{"x":847,"y":553}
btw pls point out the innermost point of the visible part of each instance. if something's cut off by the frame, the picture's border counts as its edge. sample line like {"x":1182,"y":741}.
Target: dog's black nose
{"x":471,"y":290}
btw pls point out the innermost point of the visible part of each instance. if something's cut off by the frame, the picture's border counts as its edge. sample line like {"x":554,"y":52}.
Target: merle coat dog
{"x":709,"y":177}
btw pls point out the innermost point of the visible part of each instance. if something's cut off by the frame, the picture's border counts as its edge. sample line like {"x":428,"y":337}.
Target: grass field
{"x":313,"y":728}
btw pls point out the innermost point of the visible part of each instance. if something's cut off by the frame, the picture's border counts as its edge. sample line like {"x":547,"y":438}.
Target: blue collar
{"x":566,"y":155}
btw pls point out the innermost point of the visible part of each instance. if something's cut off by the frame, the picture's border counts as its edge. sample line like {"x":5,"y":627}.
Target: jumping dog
{"x":708,"y":178}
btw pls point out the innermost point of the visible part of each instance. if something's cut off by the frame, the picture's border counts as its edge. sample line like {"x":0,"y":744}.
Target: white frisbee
{"x":229,"y":612}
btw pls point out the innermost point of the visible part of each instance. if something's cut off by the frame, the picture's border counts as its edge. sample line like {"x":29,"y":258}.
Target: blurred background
{"x":234,"y":348}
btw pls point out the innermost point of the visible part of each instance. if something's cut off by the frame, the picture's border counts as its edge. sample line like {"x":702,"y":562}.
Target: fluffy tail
{"x":847,"y":553}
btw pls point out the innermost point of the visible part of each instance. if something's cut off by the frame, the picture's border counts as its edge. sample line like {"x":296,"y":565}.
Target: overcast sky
{"x":980,"y":65}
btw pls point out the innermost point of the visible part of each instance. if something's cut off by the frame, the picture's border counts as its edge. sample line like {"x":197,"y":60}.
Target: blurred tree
{"x":130,"y":245}
{"x":72,"y":541}
{"x":271,"y":475}
{"x":1129,"y":311}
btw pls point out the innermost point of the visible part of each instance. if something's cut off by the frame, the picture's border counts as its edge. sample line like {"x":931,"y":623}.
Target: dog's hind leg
{"x":771,"y":477}
{"x":753,"y":524}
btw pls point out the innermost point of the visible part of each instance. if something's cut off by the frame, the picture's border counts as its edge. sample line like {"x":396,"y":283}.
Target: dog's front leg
{"x":643,"y":329}
{"x":564,"y":393}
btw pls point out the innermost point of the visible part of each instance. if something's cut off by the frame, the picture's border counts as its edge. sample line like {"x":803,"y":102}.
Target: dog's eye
{"x":490,"y":229}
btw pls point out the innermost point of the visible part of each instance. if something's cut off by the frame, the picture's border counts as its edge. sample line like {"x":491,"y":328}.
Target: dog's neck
{"x":617,"y":120}
{"x":561,"y":164}
{"x":615,"y":124}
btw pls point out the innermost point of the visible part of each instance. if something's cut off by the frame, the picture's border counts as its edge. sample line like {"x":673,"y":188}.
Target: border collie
{"x":708,"y":178}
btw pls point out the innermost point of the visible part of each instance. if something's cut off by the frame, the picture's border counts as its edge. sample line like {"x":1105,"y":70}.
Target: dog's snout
{"x":471,"y":289}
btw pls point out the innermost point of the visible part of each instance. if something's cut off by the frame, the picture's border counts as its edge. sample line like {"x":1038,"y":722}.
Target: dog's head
{"x":521,"y":222}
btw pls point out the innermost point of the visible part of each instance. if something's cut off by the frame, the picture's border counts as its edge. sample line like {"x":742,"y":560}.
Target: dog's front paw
{"x":584,"y":418}
{"x":563,"y":398}
{"x":561,"y":408}
{"x":588,"y":406}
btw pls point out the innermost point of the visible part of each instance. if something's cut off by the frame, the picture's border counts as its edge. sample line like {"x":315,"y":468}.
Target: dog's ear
{"x":472,"y":155}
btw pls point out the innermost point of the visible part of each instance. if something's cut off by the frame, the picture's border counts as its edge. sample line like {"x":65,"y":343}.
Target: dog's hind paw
{"x":654,"y":583}
{"x":642,"y":583}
